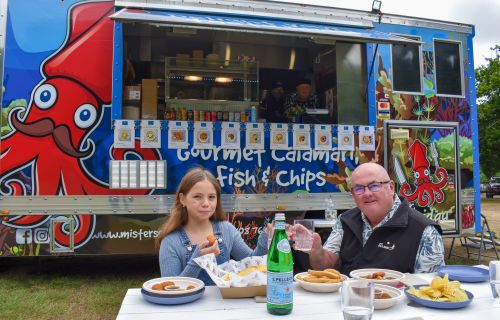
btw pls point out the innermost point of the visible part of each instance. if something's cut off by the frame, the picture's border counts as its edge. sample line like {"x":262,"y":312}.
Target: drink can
{"x":219,"y":115}
{"x":213,"y":116}
{"x":237,"y":117}
{"x":225,"y":116}
{"x":183,"y":114}
{"x":166,"y":115}
{"x":196,"y":115}
{"x":207,"y":115}
{"x":172,"y":114}
{"x":230,"y":116}
{"x":243,"y":116}
{"x":249,"y":115}
{"x":190,"y":115}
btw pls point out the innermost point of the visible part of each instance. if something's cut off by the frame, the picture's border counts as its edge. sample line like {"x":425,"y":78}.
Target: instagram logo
{"x":41,"y":235}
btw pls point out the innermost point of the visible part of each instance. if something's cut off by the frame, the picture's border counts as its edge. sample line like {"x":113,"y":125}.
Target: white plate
{"x":319,"y":287}
{"x":182,"y":282}
{"x":396,"y":295}
{"x":395,"y":276}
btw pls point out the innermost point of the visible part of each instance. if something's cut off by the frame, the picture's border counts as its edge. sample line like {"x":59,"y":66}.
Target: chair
{"x":486,"y":241}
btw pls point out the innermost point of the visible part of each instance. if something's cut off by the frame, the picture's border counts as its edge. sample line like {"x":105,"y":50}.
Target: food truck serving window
{"x":448,"y":64}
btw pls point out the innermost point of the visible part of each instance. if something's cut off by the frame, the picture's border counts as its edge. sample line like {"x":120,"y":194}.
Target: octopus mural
{"x":52,"y":136}
{"x":427,"y":191}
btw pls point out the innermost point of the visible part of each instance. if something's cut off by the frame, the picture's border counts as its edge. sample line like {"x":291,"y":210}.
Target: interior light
{"x":227,"y":56}
{"x":292,"y":60}
{"x":223,"y":79}
{"x":192,"y":78}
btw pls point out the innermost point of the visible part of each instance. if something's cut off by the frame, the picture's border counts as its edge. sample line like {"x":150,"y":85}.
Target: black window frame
{"x":420,"y":65}
{"x":461,"y":66}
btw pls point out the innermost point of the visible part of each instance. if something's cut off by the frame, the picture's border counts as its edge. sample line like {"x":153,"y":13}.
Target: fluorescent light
{"x":192,"y":78}
{"x":223,"y":79}
{"x":291,"y":66}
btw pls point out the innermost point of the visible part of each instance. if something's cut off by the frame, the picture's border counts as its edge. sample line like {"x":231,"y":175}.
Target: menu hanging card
{"x":255,"y":136}
{"x":230,"y":135}
{"x":301,"y":137}
{"x":124,"y":136}
{"x":367,"y":138}
{"x":150,"y":134}
{"x":322,"y":137}
{"x":203,"y":135}
{"x":345,"y":138}
{"x":178,"y":135}
{"x":279,"y":136}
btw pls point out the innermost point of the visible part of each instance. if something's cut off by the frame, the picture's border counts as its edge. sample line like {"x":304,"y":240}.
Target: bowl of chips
{"x":441,"y":294}
{"x":386,"y":296}
{"x":328,"y":280}
{"x":382,"y":276}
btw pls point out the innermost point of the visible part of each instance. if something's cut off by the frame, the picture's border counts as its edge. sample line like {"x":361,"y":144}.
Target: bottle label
{"x":284,"y":246}
{"x":280,"y":288}
{"x":280,"y":225}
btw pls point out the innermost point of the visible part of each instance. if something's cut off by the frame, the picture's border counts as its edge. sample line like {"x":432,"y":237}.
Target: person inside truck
{"x":382,"y":232}
{"x":297,"y":102}
{"x":197,"y":225}
{"x":272,"y":105}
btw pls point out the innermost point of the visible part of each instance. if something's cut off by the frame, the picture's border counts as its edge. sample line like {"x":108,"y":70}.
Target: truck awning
{"x":255,"y":24}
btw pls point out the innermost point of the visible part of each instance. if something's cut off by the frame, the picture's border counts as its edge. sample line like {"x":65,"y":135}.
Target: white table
{"x":307,"y":306}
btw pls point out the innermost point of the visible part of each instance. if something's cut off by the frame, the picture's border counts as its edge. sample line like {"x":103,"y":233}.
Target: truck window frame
{"x":461,"y":66}
{"x":420,"y":64}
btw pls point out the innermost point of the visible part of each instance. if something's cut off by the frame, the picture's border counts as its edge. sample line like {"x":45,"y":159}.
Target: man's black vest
{"x":392,"y":246}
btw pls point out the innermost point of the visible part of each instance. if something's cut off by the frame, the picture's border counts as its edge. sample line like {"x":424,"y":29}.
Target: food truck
{"x":107,"y":104}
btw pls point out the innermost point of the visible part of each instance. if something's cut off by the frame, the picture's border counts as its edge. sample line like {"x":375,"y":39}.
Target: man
{"x":272,"y":105}
{"x":382,"y":232}
{"x":297,"y":102}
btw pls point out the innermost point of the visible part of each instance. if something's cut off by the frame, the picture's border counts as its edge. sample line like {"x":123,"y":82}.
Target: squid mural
{"x":52,"y":137}
{"x":427,"y":191}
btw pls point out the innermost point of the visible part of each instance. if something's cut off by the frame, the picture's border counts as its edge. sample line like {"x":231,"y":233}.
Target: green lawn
{"x":77,"y":288}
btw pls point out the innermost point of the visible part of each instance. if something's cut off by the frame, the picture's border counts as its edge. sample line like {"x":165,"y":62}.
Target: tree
{"x":488,"y":94}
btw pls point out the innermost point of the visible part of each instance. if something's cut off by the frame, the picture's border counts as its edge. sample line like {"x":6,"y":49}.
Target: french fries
{"x":322,"y":276}
{"x":440,"y":289}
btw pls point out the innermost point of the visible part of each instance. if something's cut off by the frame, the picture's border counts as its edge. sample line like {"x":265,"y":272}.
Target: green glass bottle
{"x":279,"y":271}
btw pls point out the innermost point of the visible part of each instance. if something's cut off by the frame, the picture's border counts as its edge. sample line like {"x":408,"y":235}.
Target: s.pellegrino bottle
{"x":279,"y":270}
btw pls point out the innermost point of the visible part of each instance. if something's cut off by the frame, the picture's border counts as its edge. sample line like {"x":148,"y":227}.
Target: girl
{"x":196,"y":214}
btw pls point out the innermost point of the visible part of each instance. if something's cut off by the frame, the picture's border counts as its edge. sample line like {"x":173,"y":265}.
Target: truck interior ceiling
{"x":337,"y":69}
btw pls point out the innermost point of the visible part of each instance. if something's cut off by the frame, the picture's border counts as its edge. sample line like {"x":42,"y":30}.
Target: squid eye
{"x":426,"y":172}
{"x":417,"y":175}
{"x":45,"y":96}
{"x":85,"y":116}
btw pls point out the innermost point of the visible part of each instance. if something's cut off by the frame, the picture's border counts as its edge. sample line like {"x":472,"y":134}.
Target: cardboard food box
{"x":198,"y":58}
{"x":182,"y":59}
{"x":149,"y":102}
{"x":243,"y":292}
{"x":132,"y":92}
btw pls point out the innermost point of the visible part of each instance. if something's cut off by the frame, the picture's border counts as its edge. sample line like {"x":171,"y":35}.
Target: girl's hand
{"x":206,"y":248}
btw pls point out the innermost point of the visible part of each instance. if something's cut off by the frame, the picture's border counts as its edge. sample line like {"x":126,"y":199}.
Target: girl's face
{"x":200,"y":201}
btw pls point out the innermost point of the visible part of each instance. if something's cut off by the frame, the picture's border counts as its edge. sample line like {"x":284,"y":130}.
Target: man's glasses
{"x":373,"y":187}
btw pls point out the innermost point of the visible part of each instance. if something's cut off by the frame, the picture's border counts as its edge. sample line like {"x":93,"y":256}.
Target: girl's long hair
{"x":178,"y":214}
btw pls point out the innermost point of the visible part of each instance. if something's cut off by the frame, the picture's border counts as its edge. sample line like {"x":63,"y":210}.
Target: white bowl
{"x":392,"y":277}
{"x":395,"y":294}
{"x":319,"y":287}
{"x":182,"y":282}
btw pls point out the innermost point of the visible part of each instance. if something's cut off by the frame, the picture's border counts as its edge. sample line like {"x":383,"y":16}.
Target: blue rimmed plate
{"x":464,"y":273}
{"x":162,"y":299}
{"x":439,"y":304}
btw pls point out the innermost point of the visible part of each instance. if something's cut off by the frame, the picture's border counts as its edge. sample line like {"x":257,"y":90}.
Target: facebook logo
{"x":24,"y":236}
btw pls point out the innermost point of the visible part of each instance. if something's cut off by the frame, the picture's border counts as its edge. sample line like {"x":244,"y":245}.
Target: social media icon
{"x":24,"y":236}
{"x":41,"y":235}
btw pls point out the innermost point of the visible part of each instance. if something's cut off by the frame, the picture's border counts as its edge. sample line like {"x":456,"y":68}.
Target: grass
{"x":75,"y":288}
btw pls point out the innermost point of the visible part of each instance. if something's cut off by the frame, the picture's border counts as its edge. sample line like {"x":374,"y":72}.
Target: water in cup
{"x":357,"y":299}
{"x":304,"y":230}
{"x":357,"y":313}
